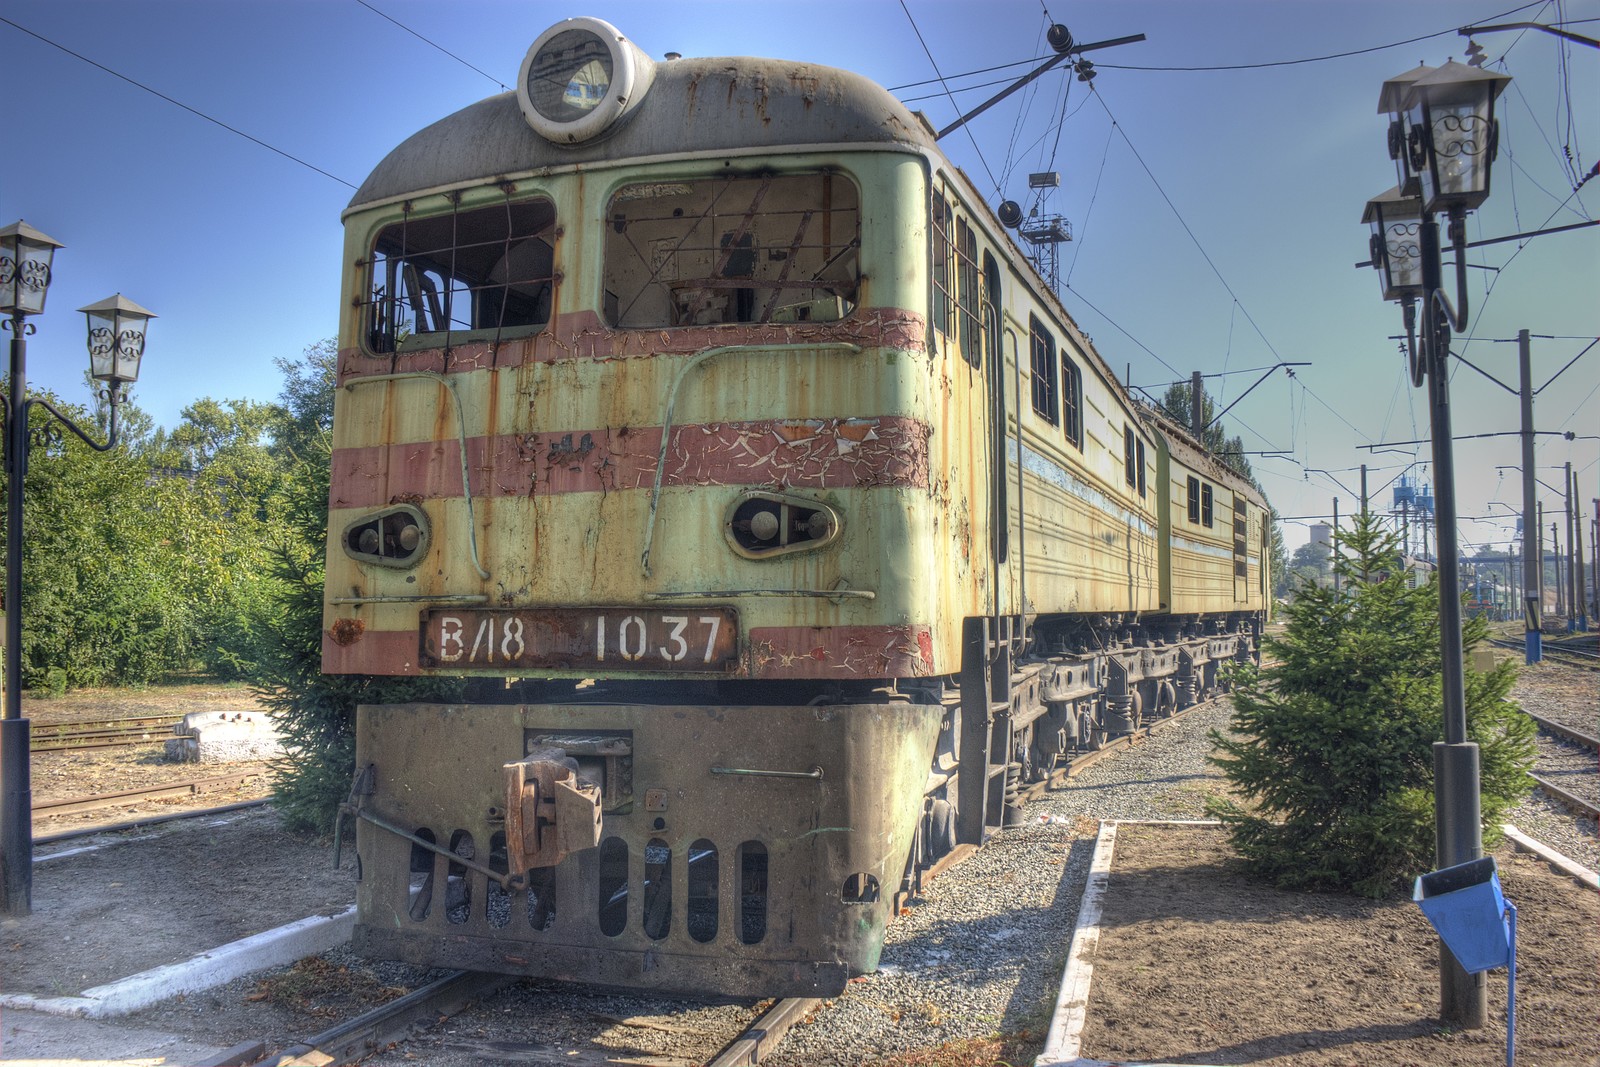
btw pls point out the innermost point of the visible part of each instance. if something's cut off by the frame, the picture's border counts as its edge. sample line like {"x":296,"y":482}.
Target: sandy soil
{"x":1198,"y":965}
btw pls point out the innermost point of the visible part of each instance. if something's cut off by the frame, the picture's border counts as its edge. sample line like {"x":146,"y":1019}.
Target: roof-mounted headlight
{"x":579,"y":78}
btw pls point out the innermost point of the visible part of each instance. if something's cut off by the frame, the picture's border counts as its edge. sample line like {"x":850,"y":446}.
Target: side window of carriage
{"x":773,"y":248}
{"x":957,"y":310}
{"x":1071,"y":400}
{"x":1043,"y":351}
{"x":480,"y":273}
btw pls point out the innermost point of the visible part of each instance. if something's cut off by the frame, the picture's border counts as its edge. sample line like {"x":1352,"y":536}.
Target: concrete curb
{"x":1524,"y":843}
{"x":271,"y":948}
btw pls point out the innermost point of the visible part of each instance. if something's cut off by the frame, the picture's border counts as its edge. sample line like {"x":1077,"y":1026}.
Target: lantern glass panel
{"x":130,"y":347}
{"x":1402,"y":253}
{"x":1458,"y":164}
{"x":24,"y":276}
{"x":102,"y":345}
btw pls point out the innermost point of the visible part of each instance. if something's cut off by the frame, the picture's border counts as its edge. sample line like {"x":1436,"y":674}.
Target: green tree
{"x":105,"y":599}
{"x":1311,"y":563}
{"x":1331,"y":749}
{"x":307,"y":397}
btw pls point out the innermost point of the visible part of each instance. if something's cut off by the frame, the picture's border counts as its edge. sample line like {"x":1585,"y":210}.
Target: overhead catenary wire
{"x":175,"y":102}
{"x":433,"y":44}
{"x":935,"y":65}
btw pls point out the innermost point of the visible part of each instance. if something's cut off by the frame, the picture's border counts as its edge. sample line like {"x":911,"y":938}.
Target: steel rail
{"x":761,"y":1037}
{"x":1550,"y":649}
{"x":97,"y":742}
{"x":1561,"y":729}
{"x":115,"y":723}
{"x":148,"y":820}
{"x":1571,"y":800}
{"x":187,"y":787}
{"x":395,"y":1021}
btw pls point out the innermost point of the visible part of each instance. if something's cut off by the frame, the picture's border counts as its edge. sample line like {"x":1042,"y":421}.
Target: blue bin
{"x":1466,"y":907}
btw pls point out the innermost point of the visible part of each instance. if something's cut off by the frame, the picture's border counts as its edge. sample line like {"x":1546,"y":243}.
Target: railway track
{"x":188,"y":787}
{"x":90,"y":735}
{"x":1579,"y":788}
{"x":1562,"y":650}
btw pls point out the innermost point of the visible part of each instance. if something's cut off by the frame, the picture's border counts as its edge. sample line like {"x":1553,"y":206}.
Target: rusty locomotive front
{"x":703,"y":415}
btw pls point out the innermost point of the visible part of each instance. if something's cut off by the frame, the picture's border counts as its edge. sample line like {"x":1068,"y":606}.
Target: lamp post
{"x":116,"y":344}
{"x":1442,"y":136}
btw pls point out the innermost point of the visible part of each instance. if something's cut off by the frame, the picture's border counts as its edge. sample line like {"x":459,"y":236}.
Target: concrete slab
{"x":272,"y":948}
{"x":34,"y":1039}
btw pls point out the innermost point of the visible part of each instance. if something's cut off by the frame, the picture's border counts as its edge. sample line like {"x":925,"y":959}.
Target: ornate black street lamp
{"x":1443,"y":138}
{"x":116,"y":344}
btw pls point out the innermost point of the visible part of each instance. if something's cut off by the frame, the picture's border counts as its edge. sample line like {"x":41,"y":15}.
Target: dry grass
{"x":321,"y":989}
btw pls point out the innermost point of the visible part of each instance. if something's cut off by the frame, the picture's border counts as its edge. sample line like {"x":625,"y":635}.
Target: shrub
{"x":1331,"y":748}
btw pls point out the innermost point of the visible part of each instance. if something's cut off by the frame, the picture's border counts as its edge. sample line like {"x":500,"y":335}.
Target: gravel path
{"x":984,"y":949}
{"x":1569,"y":695}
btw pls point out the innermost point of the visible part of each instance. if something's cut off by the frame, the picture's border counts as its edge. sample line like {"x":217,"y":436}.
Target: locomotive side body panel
{"x":1212,"y":555}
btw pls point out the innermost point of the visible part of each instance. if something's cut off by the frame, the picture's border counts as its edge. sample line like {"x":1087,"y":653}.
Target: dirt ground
{"x":63,"y":775}
{"x":179,"y":889}
{"x":1198,"y":965}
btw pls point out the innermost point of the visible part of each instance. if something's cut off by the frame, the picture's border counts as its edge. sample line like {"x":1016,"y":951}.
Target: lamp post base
{"x":1463,"y":997}
{"x":16,"y":820}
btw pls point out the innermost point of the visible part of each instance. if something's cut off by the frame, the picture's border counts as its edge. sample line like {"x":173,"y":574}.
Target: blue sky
{"x":1216,"y":213}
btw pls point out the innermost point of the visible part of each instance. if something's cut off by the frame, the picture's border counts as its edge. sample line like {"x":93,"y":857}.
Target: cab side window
{"x":484,"y":269}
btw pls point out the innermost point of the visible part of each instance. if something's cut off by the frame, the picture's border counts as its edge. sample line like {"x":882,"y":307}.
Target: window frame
{"x":1071,"y":400}
{"x":1044,"y":390}
{"x":709,"y":248}
{"x":969,"y":293}
{"x":941,"y":231}
{"x":413,"y":279}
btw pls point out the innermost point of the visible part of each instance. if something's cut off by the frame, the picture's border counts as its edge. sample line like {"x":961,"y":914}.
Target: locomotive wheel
{"x":1166,"y":700}
{"x":1093,"y":734}
{"x":944,"y":827}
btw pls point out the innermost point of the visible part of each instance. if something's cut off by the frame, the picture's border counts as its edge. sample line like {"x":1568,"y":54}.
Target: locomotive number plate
{"x":628,"y":639}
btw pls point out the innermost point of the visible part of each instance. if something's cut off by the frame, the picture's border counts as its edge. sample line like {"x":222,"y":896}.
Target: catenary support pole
{"x":1335,"y":545}
{"x":1575,"y":590}
{"x":1532,"y":565}
{"x":1197,"y":407}
{"x":1555,"y":557}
